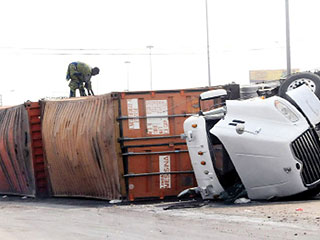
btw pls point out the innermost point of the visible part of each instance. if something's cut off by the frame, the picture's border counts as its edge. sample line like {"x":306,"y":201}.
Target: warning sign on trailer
{"x":164,"y":166}
{"x":157,"y":126}
{"x":133,"y":111}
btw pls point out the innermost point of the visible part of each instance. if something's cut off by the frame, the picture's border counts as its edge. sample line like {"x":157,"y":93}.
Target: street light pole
{"x":127,"y":64}
{"x":150,"y":60}
{"x":208,"y":49}
{"x":288,"y":39}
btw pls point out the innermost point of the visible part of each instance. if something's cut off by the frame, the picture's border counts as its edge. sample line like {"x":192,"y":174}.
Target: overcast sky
{"x":39,"y":38}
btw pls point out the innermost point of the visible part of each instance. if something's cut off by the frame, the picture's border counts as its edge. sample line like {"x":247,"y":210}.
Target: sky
{"x":39,"y":38}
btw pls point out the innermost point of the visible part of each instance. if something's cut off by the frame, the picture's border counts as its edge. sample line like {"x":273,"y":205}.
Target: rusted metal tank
{"x":16,"y":166}
{"x":80,"y":142}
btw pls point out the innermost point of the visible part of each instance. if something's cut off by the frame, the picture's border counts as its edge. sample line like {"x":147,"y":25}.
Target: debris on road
{"x":115,"y":201}
{"x":233,"y":193}
{"x":242,"y":201}
{"x":188,"y":192}
{"x":186,"y":204}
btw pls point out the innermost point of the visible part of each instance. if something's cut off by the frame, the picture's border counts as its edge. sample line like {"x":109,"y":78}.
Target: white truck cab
{"x":269,"y":145}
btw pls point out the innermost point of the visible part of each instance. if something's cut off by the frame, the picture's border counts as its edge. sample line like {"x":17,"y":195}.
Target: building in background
{"x":257,"y":76}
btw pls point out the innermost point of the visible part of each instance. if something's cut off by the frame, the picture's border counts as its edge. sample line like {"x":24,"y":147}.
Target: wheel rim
{"x":297,"y":83}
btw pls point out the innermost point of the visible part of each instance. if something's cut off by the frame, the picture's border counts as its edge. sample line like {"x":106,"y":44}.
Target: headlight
{"x":286,"y":111}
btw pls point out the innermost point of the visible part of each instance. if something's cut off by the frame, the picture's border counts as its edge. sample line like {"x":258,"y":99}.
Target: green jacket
{"x":79,"y":71}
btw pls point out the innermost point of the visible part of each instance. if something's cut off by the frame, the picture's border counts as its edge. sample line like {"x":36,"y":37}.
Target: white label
{"x":133,"y":111}
{"x":157,"y":126}
{"x":164,"y":166}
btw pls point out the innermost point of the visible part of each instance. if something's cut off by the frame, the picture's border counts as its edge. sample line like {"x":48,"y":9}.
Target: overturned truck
{"x":270,"y":146}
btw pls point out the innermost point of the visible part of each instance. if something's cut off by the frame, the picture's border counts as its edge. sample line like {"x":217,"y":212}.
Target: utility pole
{"x":288,"y":38}
{"x":150,"y":60}
{"x":208,"y":49}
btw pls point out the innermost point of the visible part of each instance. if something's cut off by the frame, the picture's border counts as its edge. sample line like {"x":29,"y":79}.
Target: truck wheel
{"x":295,"y":80}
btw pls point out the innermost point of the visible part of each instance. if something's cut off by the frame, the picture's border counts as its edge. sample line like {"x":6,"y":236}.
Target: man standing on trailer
{"x":80,"y":73}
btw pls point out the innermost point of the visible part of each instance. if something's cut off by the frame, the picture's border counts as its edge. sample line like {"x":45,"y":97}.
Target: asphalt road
{"x":56,"y":219}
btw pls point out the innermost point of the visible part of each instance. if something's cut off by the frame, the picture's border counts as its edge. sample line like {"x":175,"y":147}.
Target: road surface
{"x":57,"y":219}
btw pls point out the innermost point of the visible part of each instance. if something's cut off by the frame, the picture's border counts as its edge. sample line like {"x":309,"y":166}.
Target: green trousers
{"x":74,"y":85}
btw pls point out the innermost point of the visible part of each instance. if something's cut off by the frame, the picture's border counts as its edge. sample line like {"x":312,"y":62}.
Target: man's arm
{"x":88,"y":86}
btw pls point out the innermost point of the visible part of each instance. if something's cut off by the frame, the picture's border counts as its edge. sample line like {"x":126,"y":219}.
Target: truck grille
{"x":307,"y":149}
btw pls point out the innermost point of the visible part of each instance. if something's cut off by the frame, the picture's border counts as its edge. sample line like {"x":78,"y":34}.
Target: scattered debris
{"x":190,"y":191}
{"x":299,"y":209}
{"x":4,"y":196}
{"x":24,"y":197}
{"x":187,"y":204}
{"x":233,"y":193}
{"x":242,"y":201}
{"x":114,"y":201}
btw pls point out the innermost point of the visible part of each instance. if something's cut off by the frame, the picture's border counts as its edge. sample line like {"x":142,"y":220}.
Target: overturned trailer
{"x":117,"y":145}
{"x":120,"y":145}
{"x":270,"y":146}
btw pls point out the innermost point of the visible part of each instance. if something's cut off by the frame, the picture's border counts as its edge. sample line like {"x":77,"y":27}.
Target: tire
{"x":295,"y":80}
